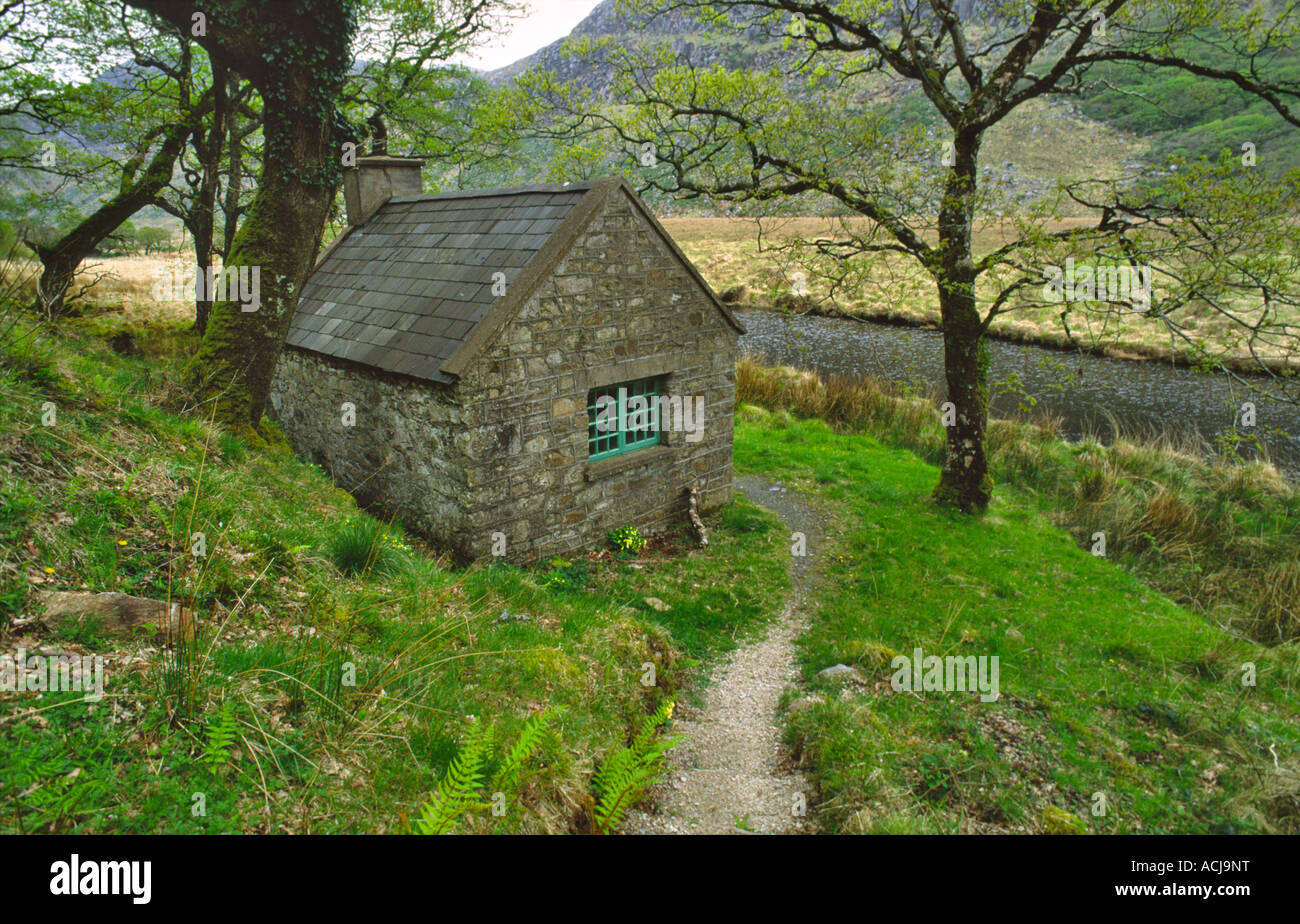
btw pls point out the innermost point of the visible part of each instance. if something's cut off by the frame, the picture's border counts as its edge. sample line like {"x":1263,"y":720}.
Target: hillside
{"x":340,"y":666}
{"x":337,"y":663}
{"x":1125,"y":122}
{"x":746,"y":44}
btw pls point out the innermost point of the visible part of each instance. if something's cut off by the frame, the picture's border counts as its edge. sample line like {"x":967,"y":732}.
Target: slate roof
{"x":402,"y":291}
{"x":410,"y":291}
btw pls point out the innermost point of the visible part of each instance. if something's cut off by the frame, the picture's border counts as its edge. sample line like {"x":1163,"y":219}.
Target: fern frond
{"x":650,"y":725}
{"x":629,"y":772}
{"x":220,"y":736}
{"x":530,"y":739}
{"x":458,"y":791}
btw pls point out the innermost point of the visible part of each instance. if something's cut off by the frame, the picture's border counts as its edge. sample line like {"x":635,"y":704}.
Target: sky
{"x":543,"y":22}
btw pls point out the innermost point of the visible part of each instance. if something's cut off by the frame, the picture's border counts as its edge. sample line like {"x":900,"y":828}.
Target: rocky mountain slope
{"x":747,"y":43}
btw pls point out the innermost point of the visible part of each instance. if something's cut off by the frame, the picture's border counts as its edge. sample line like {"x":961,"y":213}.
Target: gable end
{"x":544,"y":262}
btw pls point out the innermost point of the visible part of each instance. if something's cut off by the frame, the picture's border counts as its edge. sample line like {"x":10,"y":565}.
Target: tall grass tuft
{"x":363,"y":546}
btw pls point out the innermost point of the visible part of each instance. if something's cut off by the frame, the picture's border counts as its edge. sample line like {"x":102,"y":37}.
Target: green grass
{"x":363,"y":545}
{"x":1222,"y":537}
{"x":1106,"y":686}
{"x":323,"y":694}
{"x":348,"y":677}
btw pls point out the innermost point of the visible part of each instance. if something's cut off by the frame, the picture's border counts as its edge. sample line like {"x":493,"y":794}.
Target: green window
{"x":622,"y":417}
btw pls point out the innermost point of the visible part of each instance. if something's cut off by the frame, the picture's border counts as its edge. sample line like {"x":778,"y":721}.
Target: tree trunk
{"x":234,"y":186}
{"x":278,"y":239}
{"x":964,"y":482}
{"x":59,"y":261}
{"x":297,"y":62}
{"x":203,"y":219}
{"x":202,"y":234}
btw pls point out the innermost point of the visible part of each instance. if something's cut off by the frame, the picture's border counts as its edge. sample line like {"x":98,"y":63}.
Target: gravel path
{"x":732,"y":775}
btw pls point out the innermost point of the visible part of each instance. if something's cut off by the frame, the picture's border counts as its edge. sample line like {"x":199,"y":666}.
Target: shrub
{"x":626,"y":539}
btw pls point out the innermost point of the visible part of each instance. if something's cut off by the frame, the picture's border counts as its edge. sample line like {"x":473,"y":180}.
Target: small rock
{"x":805,"y":703}
{"x":656,"y":604}
{"x":840,"y":672}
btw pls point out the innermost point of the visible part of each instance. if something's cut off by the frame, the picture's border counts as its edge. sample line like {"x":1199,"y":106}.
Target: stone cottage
{"x":510,"y":372}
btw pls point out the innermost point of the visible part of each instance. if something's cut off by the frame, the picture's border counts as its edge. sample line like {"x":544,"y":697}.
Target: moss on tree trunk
{"x":964,"y":482}
{"x":297,"y":62}
{"x":233,"y":366}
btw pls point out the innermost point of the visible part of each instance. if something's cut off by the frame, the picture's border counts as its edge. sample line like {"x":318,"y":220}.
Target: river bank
{"x":1087,"y":395}
{"x":1111,"y":710}
{"x":1218,"y":537}
{"x":754,"y":271}
{"x":1012,"y":331}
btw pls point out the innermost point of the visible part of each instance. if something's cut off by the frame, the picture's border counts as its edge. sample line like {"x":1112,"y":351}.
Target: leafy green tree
{"x":143,"y":175}
{"x":54,"y":125}
{"x":216,"y":154}
{"x":402,"y":71}
{"x":154,"y":239}
{"x":298,"y":59}
{"x":826,"y":130}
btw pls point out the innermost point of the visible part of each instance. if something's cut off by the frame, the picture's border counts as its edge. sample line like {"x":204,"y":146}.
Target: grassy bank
{"x":1222,"y":539}
{"x":341,"y":666}
{"x":1118,"y":711}
{"x":338,"y":662}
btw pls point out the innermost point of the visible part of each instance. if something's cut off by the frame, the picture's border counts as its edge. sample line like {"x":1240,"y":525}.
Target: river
{"x":1086,"y":392}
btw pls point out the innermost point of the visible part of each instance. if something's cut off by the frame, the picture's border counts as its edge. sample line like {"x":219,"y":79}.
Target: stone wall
{"x":619,"y":307}
{"x":405,"y":454}
{"x":504,"y":450}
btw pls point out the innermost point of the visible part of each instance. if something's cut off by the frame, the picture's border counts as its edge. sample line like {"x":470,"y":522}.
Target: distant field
{"x":728,"y":254}
{"x":126,"y":285}
{"x":730,"y":257}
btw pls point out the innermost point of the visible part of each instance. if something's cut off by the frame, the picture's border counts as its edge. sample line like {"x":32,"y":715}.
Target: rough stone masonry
{"x":487,"y":438}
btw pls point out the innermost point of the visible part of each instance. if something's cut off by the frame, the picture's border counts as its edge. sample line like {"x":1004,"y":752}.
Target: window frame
{"x":620,"y":441}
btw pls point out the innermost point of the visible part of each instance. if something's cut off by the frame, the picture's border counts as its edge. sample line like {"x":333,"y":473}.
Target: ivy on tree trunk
{"x":297,"y":63}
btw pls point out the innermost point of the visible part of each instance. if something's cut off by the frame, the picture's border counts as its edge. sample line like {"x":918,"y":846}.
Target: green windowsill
{"x":624,"y":461}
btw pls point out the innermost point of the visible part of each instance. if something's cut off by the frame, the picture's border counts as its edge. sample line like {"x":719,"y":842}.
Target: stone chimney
{"x":377,"y":178}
